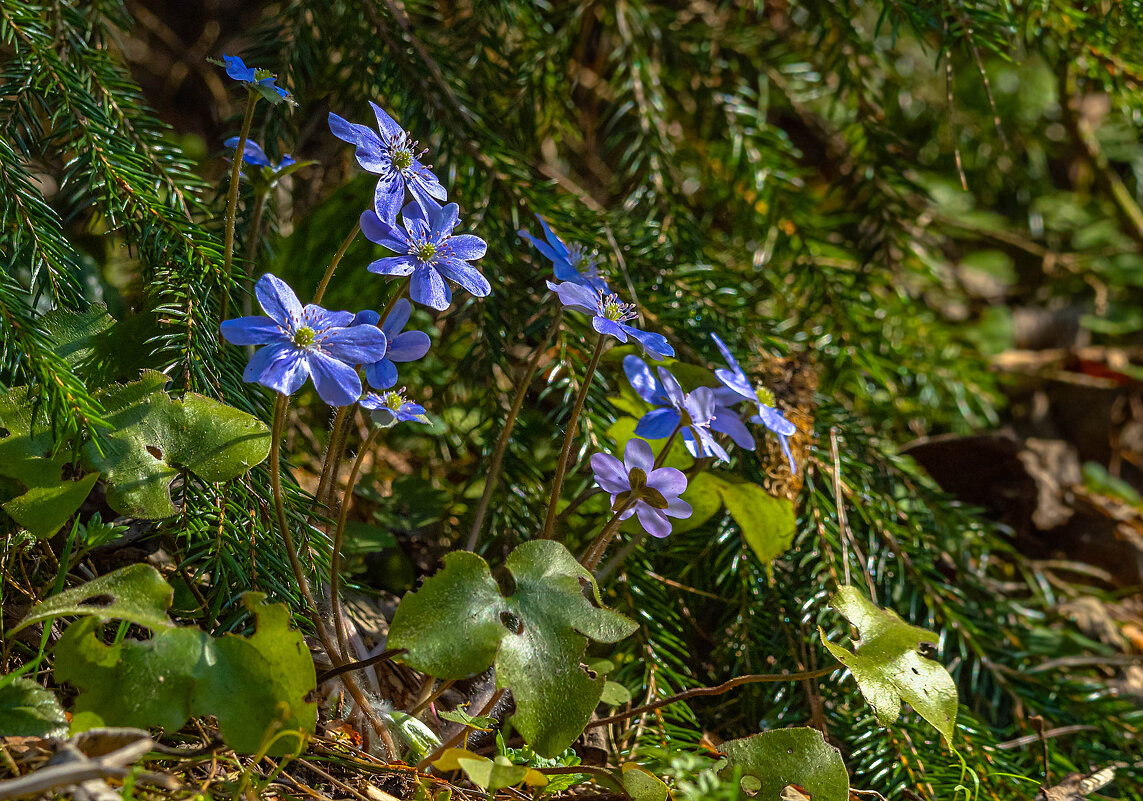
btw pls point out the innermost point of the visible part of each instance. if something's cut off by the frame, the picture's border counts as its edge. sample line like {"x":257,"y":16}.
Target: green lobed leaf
{"x":768,"y":524}
{"x":252,"y":685}
{"x":783,"y":757}
{"x":29,"y":710}
{"x":643,"y":785}
{"x":153,"y":433}
{"x":136,"y":593}
{"x":459,"y":623}
{"x":888,"y":667}
{"x":44,"y":510}
{"x":704,"y":495}
{"x":71,"y":333}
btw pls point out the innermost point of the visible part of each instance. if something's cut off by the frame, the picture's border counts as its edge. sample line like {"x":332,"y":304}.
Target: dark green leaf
{"x":789,"y":756}
{"x":29,"y":710}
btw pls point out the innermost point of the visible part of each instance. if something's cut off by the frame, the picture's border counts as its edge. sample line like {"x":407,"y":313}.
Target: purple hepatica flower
{"x":694,"y":411}
{"x":236,"y":68}
{"x":253,"y":154}
{"x":610,"y":316}
{"x":427,"y":250}
{"x":390,"y":408}
{"x":736,"y":388}
{"x":655,"y":491}
{"x":302,"y":342}
{"x":391,"y":155}
{"x":572,"y":263}
{"x":403,"y":347}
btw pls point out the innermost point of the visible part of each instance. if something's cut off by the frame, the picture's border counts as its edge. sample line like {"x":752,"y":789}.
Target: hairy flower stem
{"x":339,"y":534}
{"x":320,"y":293}
{"x":569,"y":439}
{"x":232,"y":199}
{"x":599,"y":545}
{"x":252,"y":238}
{"x":339,"y":435}
{"x":493,"y":476}
{"x":355,"y":692}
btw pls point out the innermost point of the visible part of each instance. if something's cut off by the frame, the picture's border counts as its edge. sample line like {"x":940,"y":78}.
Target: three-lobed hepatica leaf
{"x":151,"y":434}
{"x":888,"y":667}
{"x":458,"y":623}
{"x":783,"y":757}
{"x":251,"y":684}
{"x":29,"y":710}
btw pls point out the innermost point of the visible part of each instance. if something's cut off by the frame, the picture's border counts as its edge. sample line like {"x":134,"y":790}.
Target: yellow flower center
{"x":304,"y":336}
{"x":765,"y":396}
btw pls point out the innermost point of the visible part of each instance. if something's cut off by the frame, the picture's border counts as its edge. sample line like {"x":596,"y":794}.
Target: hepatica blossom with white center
{"x":736,"y":387}
{"x":427,"y":250}
{"x":405,"y":346}
{"x":693,"y":411}
{"x":389,"y":408}
{"x":391,"y":154}
{"x":570,"y":262}
{"x":254,"y":155}
{"x":302,"y":342}
{"x":610,"y":316}
{"x":653,"y":492}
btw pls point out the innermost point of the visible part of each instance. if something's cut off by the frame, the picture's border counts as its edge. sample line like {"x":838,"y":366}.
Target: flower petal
{"x":667,"y":480}
{"x":610,"y":328}
{"x":653,"y":521}
{"x":279,"y":367}
{"x":382,"y":374}
{"x":678,"y":508}
{"x":466,"y":275}
{"x":361,"y":344}
{"x":467,"y":246}
{"x":389,"y":128}
{"x":367,"y":317}
{"x":337,"y":383}
{"x":251,"y":331}
{"x":735,"y":383}
{"x":725,"y":421}
{"x":424,"y":185}
{"x":773,"y":420}
{"x":673,"y":389}
{"x":654,"y":345}
{"x":657,"y":424}
{"x":638,"y":453}
{"x":252,"y":152}
{"x":445,"y":219}
{"x":388,"y":196}
{"x":398,"y":316}
{"x":278,"y":301}
{"x":729,"y":357}
{"x":609,"y":473}
{"x":545,"y":250}
{"x":641,"y":380}
{"x":575,"y":296}
{"x":393,"y":265}
{"x":409,"y":346}
{"x":429,"y":289}
{"x":236,"y":68}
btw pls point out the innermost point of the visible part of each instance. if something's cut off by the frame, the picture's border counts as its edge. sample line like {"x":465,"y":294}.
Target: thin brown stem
{"x":393,"y":300}
{"x":328,"y":462}
{"x":434,"y":695}
{"x":662,"y":457}
{"x":355,"y":692}
{"x":320,"y":293}
{"x":339,"y":534}
{"x":384,"y":656}
{"x":493,"y":476}
{"x":725,"y":687}
{"x":569,"y":439}
{"x":232,"y":199}
{"x":598,"y":547}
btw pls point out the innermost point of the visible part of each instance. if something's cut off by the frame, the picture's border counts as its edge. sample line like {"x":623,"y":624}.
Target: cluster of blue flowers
{"x":410,"y":216}
{"x":337,"y":348}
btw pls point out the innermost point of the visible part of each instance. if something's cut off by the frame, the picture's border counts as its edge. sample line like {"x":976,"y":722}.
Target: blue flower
{"x":304,"y":342}
{"x":655,"y":490}
{"x":403,"y":347}
{"x":610,"y":316}
{"x":572,"y":263}
{"x":736,"y":388}
{"x":236,"y":68}
{"x":389,"y":408}
{"x":391,"y":155}
{"x":427,"y":250}
{"x":694,"y":410}
{"x":253,"y":154}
